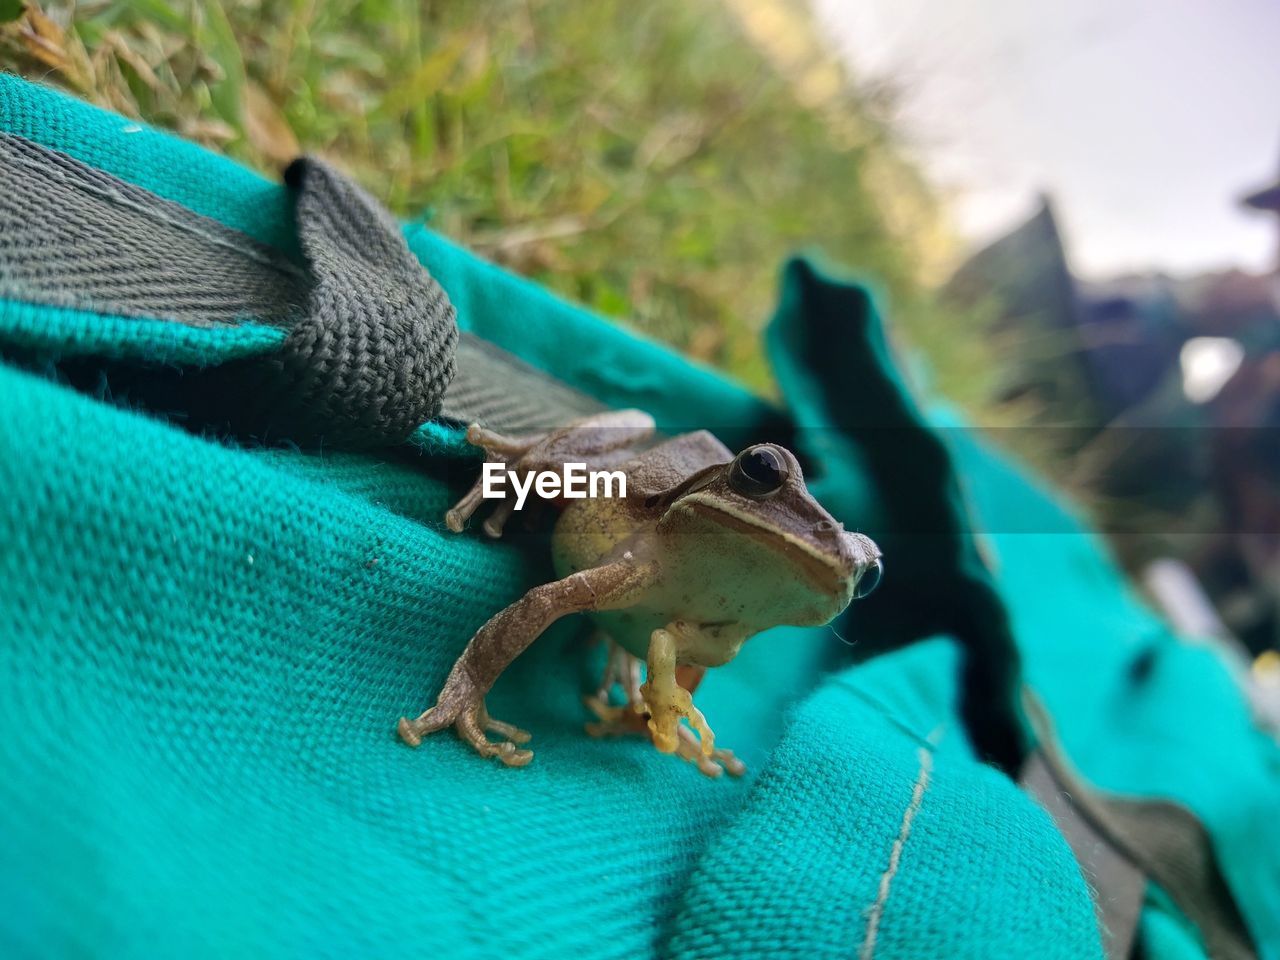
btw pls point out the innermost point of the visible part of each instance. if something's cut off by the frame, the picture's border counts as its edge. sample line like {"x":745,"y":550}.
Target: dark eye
{"x":869,"y":580}
{"x":758,"y":472}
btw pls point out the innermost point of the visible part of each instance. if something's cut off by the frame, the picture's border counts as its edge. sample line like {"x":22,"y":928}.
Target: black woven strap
{"x":371,"y":336}
{"x":371,"y":356}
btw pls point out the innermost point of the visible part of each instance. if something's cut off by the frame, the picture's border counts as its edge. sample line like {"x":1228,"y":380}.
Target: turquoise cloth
{"x":1177,"y":728}
{"x":207,"y":647}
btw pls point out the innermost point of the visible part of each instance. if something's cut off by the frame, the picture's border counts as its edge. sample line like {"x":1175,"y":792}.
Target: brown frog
{"x":705,"y":550}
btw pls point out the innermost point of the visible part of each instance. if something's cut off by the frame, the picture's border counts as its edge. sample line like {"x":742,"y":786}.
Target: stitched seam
{"x":895,"y":855}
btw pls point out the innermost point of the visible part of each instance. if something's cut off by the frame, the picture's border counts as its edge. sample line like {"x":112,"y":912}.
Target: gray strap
{"x":1118,"y":885}
{"x":373,"y":353}
{"x":1114,"y":836}
{"x":506,"y":394}
{"x":371,"y":336}
{"x":73,"y":236}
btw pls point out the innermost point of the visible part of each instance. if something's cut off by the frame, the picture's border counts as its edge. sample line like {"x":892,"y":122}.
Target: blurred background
{"x":1069,"y":209}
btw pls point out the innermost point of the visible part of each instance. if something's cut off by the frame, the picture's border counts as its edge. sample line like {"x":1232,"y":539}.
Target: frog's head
{"x":783,"y":558}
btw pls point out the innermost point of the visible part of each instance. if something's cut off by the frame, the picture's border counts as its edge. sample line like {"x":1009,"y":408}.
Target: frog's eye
{"x":758,"y":472}
{"x":869,"y":579}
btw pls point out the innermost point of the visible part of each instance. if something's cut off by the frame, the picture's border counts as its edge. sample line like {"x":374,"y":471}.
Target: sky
{"x":1146,"y":120}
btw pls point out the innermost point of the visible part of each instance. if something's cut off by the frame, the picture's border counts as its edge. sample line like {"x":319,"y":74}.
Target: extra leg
{"x":506,"y":635}
{"x":597,"y":441}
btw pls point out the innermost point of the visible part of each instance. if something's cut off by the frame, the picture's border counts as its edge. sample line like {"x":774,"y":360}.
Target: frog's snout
{"x":868,"y":569}
{"x":860,"y":558}
{"x":857,"y":557}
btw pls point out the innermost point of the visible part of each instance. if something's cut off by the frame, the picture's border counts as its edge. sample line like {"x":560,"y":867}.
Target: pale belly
{"x":588,"y":538}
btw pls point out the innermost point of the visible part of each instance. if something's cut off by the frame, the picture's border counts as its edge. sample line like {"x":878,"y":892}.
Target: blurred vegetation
{"x":655,"y":161}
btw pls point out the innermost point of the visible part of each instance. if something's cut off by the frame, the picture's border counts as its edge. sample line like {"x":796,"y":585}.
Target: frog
{"x":705,"y":550}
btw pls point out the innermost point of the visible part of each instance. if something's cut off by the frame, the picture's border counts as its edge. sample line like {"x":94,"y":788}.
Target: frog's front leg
{"x":666,"y":700}
{"x":632,"y":718}
{"x":597,"y":441}
{"x":504,"y":637}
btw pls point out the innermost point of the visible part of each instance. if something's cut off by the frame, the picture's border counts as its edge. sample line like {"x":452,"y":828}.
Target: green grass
{"x":649,"y":159}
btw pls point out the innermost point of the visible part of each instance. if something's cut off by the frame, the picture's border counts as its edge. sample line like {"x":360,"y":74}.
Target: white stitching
{"x":895,"y":855}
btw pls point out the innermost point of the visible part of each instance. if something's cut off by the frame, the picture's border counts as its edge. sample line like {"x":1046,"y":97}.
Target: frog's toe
{"x":409,"y":732}
{"x":456,"y":517}
{"x":498,"y":519}
{"x":508,"y":730}
{"x":412,"y":731}
{"x":499,"y":446}
{"x":471,"y":725}
{"x":719,"y":761}
{"x":613,"y":721}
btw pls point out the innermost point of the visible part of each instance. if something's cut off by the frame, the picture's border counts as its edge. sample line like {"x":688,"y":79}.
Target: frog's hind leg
{"x":668,"y":702}
{"x":598,"y":441}
{"x":498,"y":448}
{"x":621,"y":669}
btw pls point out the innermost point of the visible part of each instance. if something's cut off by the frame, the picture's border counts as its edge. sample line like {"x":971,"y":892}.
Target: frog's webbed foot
{"x":594,"y":441}
{"x":633,"y":720}
{"x":672,"y":686}
{"x":461,"y":707}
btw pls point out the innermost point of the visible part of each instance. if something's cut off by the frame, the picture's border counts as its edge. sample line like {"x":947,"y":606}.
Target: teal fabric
{"x":875,"y":759}
{"x":195,"y":744}
{"x":207,"y":648}
{"x":1175,"y":727}
{"x":1166,"y":933}
{"x":64,"y":332}
{"x":883,"y":471}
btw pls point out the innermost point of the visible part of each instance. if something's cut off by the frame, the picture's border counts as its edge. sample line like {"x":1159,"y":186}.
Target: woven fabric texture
{"x":370,"y":337}
{"x":373,"y":353}
{"x":208,"y":645}
{"x":934,"y":831}
{"x":73,"y":236}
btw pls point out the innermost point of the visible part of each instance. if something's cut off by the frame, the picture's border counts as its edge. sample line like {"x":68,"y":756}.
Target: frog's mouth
{"x":832,"y":572}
